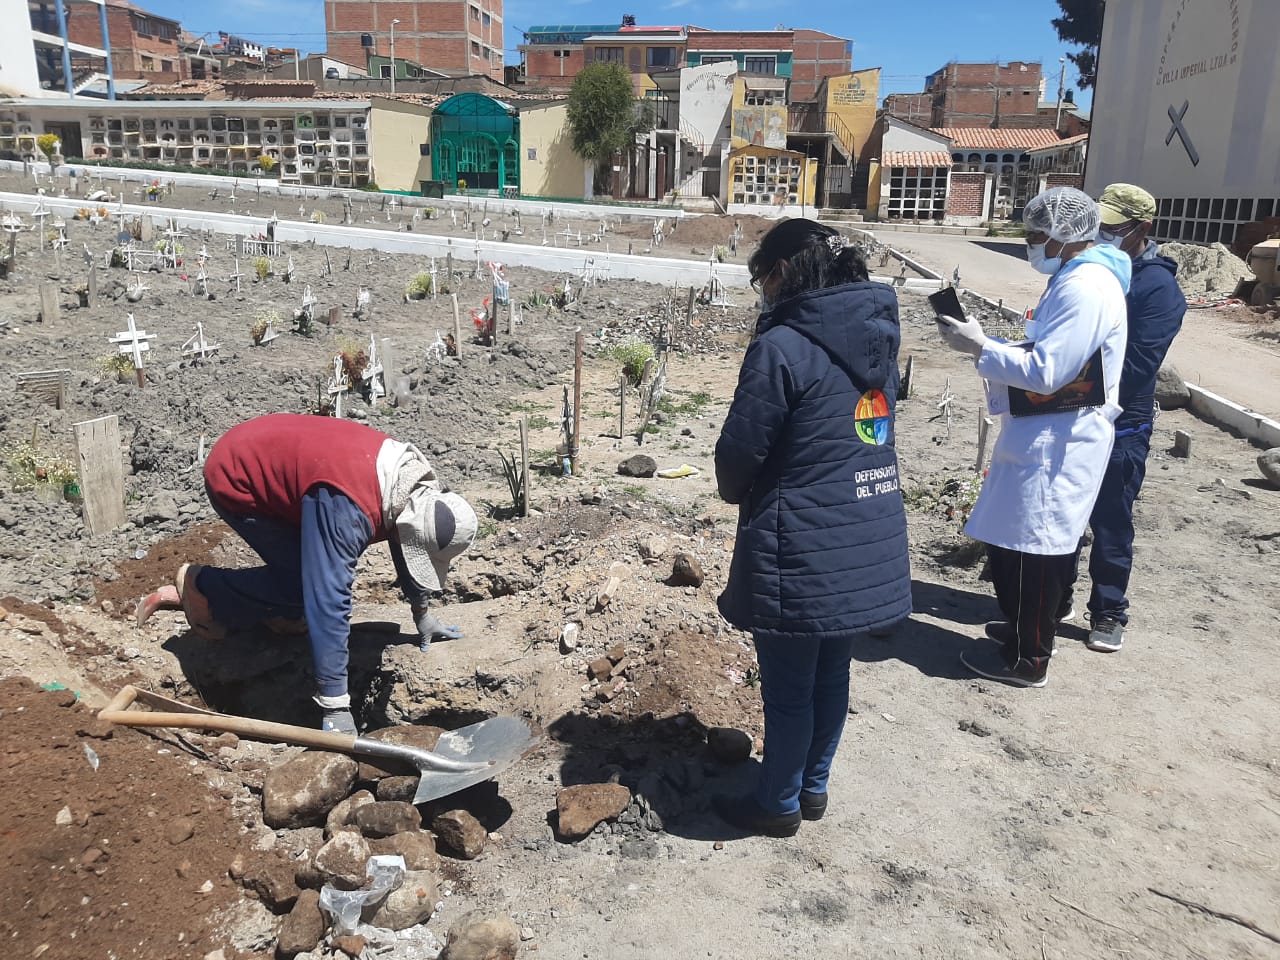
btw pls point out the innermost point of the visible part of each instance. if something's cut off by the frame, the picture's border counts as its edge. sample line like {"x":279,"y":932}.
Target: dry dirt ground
{"x":967,"y":819}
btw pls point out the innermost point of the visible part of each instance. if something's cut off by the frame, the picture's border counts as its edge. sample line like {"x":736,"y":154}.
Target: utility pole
{"x":393,"y":56}
{"x":1062,"y":77}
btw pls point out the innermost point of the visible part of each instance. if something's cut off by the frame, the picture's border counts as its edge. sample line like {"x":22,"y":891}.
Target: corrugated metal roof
{"x":916,"y":158}
{"x":987,"y":138}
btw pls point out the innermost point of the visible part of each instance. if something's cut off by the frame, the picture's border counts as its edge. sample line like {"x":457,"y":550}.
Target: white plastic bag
{"x":387,"y":873}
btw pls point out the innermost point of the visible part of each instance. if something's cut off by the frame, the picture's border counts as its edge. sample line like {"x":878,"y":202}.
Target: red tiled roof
{"x":916,"y":158}
{"x":1065,"y":142}
{"x":986,"y":138}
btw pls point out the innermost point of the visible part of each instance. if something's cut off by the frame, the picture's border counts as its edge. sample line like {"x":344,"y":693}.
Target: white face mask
{"x":1041,"y":263}
{"x":1111,"y":239}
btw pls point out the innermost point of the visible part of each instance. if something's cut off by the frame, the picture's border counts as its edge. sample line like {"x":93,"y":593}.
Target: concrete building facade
{"x":454,"y":37}
{"x":1188,"y":106}
{"x":144,"y":46}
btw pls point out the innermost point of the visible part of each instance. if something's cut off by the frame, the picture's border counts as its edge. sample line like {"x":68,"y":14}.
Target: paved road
{"x":1213,"y":351}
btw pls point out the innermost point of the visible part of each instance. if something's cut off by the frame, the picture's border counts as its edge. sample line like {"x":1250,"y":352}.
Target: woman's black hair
{"x":806,"y":258}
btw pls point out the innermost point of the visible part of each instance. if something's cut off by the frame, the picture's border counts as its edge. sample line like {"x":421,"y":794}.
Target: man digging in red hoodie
{"x":309,"y":495}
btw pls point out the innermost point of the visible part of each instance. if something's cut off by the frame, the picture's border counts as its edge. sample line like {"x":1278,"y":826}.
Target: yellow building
{"x":398,"y":129}
{"x":549,"y":166}
{"x":769,"y":181}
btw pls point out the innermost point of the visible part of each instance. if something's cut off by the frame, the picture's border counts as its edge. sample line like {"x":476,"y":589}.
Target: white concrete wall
{"x":18,"y":74}
{"x":901,"y":136}
{"x":1216,"y":56}
{"x":113,"y":176}
{"x":706,"y":94}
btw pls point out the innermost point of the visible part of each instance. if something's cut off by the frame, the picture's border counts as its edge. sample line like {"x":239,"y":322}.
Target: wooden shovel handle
{"x":117,"y":712}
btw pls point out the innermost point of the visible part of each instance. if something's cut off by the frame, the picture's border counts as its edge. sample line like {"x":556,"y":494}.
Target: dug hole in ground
{"x":967,"y":819}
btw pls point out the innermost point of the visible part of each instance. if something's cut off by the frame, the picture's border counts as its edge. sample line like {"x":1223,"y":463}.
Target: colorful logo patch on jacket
{"x":871,"y":418}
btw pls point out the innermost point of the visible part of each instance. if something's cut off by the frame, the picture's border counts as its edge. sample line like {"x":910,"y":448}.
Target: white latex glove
{"x":963,"y":336}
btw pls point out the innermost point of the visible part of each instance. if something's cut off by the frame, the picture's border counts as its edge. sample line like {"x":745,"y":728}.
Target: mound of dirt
{"x":128,"y":859}
{"x":1206,"y":270}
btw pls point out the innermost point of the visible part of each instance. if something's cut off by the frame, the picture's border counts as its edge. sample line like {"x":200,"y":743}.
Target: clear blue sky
{"x":908,"y":40}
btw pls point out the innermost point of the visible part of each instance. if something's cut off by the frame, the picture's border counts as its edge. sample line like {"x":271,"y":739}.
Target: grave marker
{"x":45,"y":384}
{"x":101,"y":473}
{"x":50,"y":310}
{"x":134,"y":343}
{"x":197,"y":346}
{"x":338,"y":386}
{"x":92,"y":283}
{"x":372,"y":379}
{"x":457,"y":327}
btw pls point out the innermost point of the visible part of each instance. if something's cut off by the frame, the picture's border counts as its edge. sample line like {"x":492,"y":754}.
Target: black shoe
{"x":991,"y":664}
{"x":812,"y":805}
{"x":745,"y":814}
{"x":1004,"y":633}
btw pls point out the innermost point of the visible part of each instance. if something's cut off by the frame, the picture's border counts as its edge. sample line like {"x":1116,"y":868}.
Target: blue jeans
{"x":240,"y":599}
{"x":805,"y":686}
{"x":1111,"y":557}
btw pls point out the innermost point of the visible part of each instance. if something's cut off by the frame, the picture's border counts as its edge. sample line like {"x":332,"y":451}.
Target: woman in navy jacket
{"x":807,"y":451}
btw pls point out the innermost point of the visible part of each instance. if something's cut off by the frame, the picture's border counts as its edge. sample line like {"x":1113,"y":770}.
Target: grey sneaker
{"x":1107,"y":635}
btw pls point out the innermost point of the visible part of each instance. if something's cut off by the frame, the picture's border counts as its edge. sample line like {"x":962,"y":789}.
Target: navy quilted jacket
{"x":807,"y":451}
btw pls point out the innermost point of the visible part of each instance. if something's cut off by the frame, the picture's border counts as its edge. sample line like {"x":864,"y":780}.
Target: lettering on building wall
{"x":850,"y":94}
{"x":1204,"y":58}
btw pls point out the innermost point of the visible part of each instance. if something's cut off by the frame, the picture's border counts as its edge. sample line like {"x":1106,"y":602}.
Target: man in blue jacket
{"x":1156,"y":307}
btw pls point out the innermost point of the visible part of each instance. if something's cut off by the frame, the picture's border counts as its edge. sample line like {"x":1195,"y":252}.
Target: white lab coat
{"x":1046,"y":470}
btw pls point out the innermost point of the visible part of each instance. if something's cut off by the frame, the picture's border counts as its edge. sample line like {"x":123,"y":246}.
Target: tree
{"x":601,"y":111}
{"x":1081,"y":25}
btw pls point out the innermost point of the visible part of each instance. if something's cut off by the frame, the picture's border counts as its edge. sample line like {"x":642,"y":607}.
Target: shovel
{"x":461,"y":758}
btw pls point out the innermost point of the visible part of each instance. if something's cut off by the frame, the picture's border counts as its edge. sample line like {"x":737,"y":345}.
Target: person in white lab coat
{"x":1057,"y":411}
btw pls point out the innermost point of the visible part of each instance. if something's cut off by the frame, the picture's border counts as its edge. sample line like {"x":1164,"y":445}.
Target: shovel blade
{"x":497,"y":742}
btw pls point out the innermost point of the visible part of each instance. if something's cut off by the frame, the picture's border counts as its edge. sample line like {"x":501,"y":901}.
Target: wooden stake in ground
{"x":92,"y":284}
{"x":577,"y":401}
{"x":984,"y":431}
{"x":524,"y":466}
{"x":457,"y":325}
{"x":622,"y":404}
{"x":688,"y":316}
{"x":101,"y":473}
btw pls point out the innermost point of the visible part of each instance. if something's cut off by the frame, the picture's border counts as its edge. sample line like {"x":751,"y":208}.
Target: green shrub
{"x":419,"y":286}
{"x":262,"y":267}
{"x":633,"y":355}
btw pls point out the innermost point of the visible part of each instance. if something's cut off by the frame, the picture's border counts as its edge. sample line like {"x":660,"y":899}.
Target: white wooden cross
{"x":566,"y":289}
{"x":339,"y":384}
{"x":715,"y":289}
{"x":288,"y":270}
{"x":657,"y":232}
{"x":12,"y":223}
{"x":435,"y":284}
{"x":197,"y":346}
{"x":133,"y":342}
{"x":269,"y":333}
{"x":372,"y":376}
{"x":453,"y":215}
{"x":235,"y":277}
{"x":39,"y":214}
{"x":60,"y":241}
{"x":362,"y":299}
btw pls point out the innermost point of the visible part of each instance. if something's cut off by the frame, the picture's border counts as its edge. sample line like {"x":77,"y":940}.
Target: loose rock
{"x":580,"y":808}
{"x":408,"y":905}
{"x":179,"y":830}
{"x":461,"y":833}
{"x":729,"y":745}
{"x":1269,"y":464}
{"x":385,"y":818}
{"x":1171,"y":389}
{"x":600,"y":668}
{"x":342,"y":860}
{"x":686,"y":571}
{"x":303,"y":928}
{"x":397,"y":788}
{"x":274,"y":883}
{"x":481,"y":936}
{"x":640,"y":465}
{"x":418,"y":847}
{"x":342,"y":814}
{"x":352,"y":946}
{"x":302,"y":791}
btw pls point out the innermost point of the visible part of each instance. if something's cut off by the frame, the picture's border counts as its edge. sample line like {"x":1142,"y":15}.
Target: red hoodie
{"x":264,"y":466}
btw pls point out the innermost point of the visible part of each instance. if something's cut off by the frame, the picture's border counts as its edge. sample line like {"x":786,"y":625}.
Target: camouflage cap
{"x":1122,"y":202}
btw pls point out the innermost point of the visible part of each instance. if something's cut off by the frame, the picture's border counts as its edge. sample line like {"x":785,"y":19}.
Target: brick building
{"x":553,"y":54}
{"x":817,"y":57}
{"x":143,"y":45}
{"x":978,"y":94}
{"x":914,"y":108}
{"x":453,"y":37}
{"x":642,"y":50}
